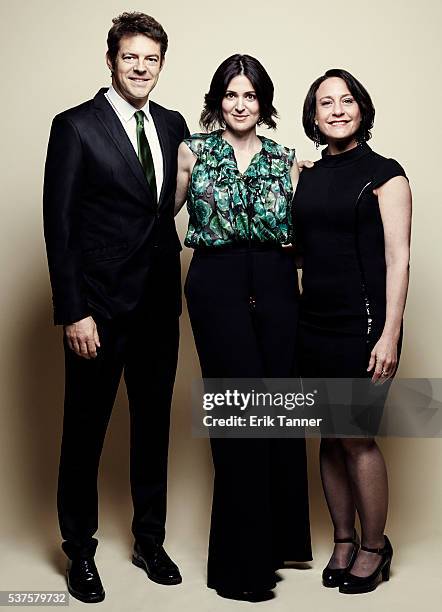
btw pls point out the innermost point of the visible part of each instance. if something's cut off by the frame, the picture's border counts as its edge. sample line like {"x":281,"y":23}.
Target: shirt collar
{"x":122,"y":106}
{"x":342,"y":159}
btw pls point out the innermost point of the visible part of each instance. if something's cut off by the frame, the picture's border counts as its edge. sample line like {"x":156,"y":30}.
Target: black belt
{"x":243,"y":247}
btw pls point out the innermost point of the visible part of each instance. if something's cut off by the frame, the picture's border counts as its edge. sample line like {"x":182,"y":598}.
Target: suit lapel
{"x":163,"y":137}
{"x":112,"y":124}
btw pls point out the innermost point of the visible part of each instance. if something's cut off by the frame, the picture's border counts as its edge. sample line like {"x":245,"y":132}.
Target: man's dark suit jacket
{"x":102,"y":226}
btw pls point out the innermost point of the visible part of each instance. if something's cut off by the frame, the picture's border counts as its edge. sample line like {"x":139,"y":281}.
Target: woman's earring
{"x":316,"y":136}
{"x":360,"y":134}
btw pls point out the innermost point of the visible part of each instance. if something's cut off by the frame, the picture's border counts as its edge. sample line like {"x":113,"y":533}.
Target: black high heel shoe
{"x":332,"y":578}
{"x":365,"y":584}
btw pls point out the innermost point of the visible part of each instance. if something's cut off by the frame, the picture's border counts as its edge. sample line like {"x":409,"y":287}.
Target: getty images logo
{"x":243,"y":401}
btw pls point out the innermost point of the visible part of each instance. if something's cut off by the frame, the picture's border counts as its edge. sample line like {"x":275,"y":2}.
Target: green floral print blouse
{"x":226,"y":207}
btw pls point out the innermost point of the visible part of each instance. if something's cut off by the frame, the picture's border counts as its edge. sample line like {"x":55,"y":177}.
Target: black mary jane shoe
{"x":364,"y":584}
{"x":83,"y":580}
{"x":332,"y":578}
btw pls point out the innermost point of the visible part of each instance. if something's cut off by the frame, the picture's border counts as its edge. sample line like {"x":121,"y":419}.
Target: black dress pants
{"x":260,"y":499}
{"x":143,"y":345}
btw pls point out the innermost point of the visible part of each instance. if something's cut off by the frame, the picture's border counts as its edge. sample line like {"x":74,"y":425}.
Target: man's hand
{"x":82,"y":338}
{"x":305,"y":163}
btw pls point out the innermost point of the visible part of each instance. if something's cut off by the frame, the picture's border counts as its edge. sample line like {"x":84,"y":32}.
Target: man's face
{"x":137,"y":68}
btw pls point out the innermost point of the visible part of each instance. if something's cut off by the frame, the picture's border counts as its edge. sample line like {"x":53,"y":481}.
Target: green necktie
{"x":145,"y":154}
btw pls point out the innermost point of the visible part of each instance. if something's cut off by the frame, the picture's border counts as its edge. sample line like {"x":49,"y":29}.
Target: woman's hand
{"x":304,"y":163}
{"x":383,"y":359}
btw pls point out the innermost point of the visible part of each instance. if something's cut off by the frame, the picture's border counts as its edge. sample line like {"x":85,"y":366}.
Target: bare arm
{"x":294,"y":174}
{"x":186,"y":161}
{"x":395,"y":207}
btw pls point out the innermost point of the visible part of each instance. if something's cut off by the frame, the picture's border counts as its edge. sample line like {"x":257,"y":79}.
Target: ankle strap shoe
{"x":364,"y":584}
{"x":332,"y":578}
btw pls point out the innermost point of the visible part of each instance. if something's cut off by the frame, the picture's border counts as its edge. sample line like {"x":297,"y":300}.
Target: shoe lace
{"x":88,"y":567}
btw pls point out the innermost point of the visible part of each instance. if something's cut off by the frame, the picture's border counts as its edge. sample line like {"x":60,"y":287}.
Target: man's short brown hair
{"x":128,"y":24}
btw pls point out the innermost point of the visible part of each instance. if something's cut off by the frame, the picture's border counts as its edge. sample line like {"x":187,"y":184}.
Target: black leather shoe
{"x":253,"y":596}
{"x":158,"y":566}
{"x":332,"y":578}
{"x":364,"y":584}
{"x":84,"y":580}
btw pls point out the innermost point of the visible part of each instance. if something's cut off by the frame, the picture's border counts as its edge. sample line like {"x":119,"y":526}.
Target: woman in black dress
{"x":352,"y":216}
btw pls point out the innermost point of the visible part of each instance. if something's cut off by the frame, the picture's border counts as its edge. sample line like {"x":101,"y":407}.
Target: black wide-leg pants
{"x":243,"y":310}
{"x":142,"y":345}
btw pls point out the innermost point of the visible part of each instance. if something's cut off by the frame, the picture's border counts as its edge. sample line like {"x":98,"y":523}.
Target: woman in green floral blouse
{"x":242,"y":295}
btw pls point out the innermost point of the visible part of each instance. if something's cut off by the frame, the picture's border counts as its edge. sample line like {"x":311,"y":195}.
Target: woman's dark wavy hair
{"x":234,"y":65}
{"x":128,"y":24}
{"x":359,"y":93}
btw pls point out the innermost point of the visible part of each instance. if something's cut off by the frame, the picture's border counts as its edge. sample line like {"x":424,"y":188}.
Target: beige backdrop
{"x":52,"y":55}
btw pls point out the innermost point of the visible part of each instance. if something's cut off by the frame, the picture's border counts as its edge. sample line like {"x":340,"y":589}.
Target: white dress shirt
{"x":126,"y":114}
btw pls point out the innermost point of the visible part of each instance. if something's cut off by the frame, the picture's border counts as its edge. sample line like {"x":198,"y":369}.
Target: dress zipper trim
{"x":365,"y":297}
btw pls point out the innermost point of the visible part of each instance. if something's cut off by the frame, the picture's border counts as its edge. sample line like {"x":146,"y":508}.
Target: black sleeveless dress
{"x":340,"y":234}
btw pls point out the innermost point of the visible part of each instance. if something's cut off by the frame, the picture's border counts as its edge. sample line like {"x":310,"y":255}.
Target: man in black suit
{"x":113,"y":255}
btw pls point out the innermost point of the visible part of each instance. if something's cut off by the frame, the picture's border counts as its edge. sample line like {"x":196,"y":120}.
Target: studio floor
{"x":415,"y":581}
